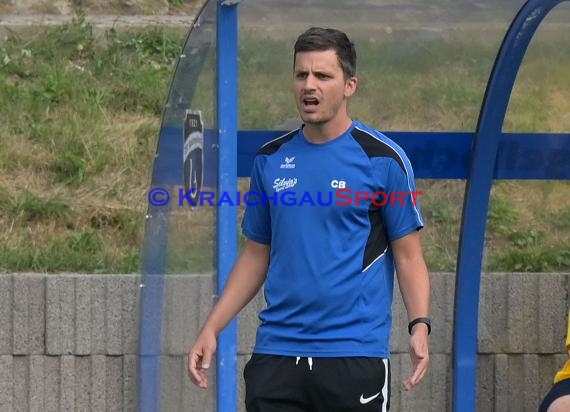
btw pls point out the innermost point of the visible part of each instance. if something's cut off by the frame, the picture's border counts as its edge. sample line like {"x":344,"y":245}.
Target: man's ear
{"x":350,"y":86}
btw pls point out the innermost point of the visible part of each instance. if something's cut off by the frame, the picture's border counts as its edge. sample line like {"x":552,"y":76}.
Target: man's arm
{"x":413,"y":279}
{"x":245,"y":280}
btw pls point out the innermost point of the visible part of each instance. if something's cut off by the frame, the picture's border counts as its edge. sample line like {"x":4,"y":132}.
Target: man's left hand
{"x":419,"y":355}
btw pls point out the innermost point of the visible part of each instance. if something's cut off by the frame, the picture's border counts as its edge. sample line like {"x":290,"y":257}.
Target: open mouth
{"x":310,"y":102}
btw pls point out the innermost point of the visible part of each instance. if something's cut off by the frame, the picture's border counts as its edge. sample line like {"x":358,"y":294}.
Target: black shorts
{"x":290,"y":384}
{"x":558,"y":389}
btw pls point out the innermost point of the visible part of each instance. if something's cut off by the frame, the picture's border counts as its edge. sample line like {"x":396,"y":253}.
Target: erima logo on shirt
{"x":288,"y":163}
{"x":280,"y":184}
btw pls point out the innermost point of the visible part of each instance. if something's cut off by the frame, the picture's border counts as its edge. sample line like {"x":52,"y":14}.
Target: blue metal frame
{"x":476,"y":201}
{"x":227,"y":101}
{"x":445,"y":155}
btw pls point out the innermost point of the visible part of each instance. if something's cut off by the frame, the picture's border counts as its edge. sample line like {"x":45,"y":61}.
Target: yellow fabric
{"x":564,"y":373}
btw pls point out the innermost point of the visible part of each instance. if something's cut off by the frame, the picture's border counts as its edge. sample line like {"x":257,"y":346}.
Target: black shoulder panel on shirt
{"x":271,"y":147}
{"x":374,"y":147}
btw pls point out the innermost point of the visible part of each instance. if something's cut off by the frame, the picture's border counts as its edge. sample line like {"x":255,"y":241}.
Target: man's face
{"x":320,"y":88}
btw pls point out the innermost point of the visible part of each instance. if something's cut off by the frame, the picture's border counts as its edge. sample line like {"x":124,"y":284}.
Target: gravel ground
{"x":280,"y":18}
{"x":102,"y":21}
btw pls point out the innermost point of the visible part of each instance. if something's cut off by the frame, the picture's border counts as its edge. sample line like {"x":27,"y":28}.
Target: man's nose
{"x":309,"y":82}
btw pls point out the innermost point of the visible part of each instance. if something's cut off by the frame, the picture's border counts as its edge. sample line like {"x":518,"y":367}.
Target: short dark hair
{"x":320,"y":39}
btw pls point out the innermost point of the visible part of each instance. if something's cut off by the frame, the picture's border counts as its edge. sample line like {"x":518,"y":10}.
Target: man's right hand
{"x":200,"y":358}
{"x":244,"y":281}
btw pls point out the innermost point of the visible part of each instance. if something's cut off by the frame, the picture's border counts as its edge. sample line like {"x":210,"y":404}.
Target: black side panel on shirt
{"x":377,"y":241}
{"x":274,"y":145}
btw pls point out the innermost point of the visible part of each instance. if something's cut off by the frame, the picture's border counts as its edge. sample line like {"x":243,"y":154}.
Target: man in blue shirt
{"x":336,"y":214}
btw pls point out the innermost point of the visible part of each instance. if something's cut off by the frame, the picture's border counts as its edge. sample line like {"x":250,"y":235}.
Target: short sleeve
{"x":256,"y":223}
{"x":401,"y":213}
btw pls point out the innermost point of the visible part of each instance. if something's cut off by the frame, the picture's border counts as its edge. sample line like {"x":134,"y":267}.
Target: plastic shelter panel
{"x":180,"y":238}
{"x":540,"y":102}
{"x":421,"y":65}
{"x":533,"y":216}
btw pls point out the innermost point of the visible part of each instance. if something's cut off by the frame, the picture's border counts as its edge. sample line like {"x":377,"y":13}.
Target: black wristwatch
{"x":414,"y":322}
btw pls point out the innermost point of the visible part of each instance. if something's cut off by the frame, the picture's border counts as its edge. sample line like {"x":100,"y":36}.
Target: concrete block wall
{"x":69,"y":342}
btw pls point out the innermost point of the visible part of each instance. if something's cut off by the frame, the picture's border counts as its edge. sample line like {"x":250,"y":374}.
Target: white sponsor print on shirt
{"x":280,"y":184}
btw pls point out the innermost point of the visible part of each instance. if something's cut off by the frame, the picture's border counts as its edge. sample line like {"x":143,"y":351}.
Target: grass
{"x":82,"y":114}
{"x":77,"y":145}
